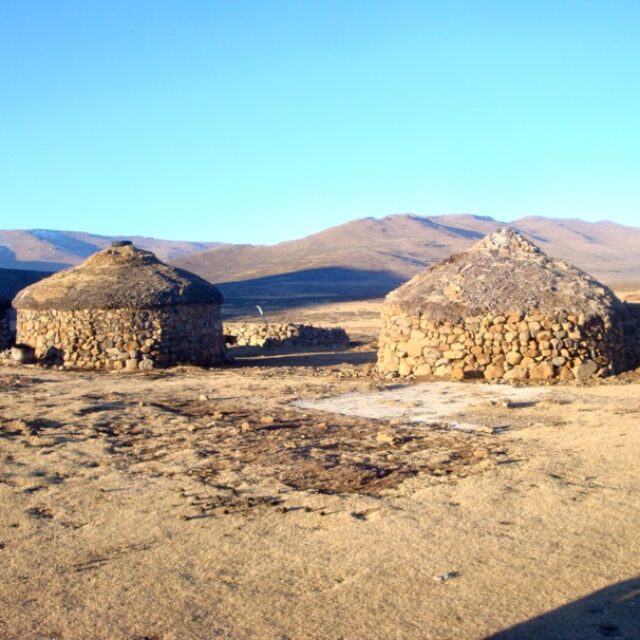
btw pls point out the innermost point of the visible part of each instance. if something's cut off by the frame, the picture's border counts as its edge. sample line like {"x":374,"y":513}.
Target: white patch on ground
{"x":428,"y":402}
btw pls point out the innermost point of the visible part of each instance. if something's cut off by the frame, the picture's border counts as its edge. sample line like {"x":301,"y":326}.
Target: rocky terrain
{"x":190,"y":502}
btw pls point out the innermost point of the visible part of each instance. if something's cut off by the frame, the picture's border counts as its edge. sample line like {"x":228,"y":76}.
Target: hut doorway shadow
{"x":300,"y":357}
{"x":612,"y":612}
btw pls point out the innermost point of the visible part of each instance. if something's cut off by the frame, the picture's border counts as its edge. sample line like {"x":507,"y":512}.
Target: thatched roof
{"x":503,"y":273}
{"x":118,"y":277}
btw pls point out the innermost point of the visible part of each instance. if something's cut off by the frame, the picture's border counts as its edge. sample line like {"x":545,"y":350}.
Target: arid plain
{"x":194,"y":503}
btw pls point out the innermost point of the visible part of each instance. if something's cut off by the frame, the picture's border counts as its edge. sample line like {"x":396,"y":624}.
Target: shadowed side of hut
{"x":6,"y":335}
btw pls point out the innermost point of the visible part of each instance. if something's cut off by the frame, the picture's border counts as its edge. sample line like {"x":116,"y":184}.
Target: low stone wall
{"x":285,"y":334}
{"x":126,"y":339}
{"x":6,"y":335}
{"x":510,"y":347}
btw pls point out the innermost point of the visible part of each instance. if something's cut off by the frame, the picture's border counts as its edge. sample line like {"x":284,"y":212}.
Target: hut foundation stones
{"x":124,"y":338}
{"x":285,"y":334}
{"x":122,"y":309}
{"x":514,"y":346}
{"x":503,"y":311}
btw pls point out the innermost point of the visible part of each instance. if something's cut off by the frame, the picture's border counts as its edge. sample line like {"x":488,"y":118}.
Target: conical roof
{"x":118,"y":277}
{"x":503,"y":273}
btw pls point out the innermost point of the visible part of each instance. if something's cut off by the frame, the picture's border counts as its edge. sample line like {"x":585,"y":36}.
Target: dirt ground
{"x":199,"y":504}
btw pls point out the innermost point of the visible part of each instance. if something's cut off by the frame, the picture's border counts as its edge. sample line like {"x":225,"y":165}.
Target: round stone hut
{"x":122,"y":309}
{"x":5,"y":323}
{"x":502,"y":310}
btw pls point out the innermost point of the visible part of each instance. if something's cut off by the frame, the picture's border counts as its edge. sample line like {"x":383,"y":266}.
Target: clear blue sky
{"x":261,"y":121}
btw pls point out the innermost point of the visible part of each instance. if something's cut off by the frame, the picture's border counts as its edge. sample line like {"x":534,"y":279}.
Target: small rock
{"x":457,"y":373}
{"x":23,"y":354}
{"x":586,"y":370}
{"x":267,"y":419}
{"x":493,"y":371}
{"x":514,"y":358}
{"x":483,"y":428}
{"x":385,"y":437}
{"x":517,"y":373}
{"x":542,"y":371}
{"x":443,"y":577}
{"x":245,"y":426}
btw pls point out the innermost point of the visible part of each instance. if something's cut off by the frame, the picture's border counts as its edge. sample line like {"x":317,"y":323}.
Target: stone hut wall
{"x":632,"y":334}
{"x":125,"y":338}
{"x":285,"y":334}
{"x":6,"y":335}
{"x":511,"y":346}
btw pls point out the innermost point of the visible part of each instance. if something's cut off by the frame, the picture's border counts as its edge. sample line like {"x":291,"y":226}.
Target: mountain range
{"x":360,"y":259}
{"x":49,"y":250}
{"x":368,"y":257}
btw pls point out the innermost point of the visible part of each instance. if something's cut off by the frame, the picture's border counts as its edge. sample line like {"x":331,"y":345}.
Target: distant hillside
{"x":361,"y":259}
{"x":48,"y":250}
{"x":399,"y":244}
{"x":368,"y":257}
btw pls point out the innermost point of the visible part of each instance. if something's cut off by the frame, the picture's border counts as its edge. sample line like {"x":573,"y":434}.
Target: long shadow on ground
{"x":299,"y":357}
{"x":613,"y":612}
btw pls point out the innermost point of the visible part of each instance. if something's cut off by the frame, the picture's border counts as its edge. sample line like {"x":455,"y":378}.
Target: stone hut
{"x":502,"y":310}
{"x":5,"y":324}
{"x":122,"y":309}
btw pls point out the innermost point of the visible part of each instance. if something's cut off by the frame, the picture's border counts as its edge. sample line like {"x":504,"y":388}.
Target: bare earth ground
{"x":194,"y":504}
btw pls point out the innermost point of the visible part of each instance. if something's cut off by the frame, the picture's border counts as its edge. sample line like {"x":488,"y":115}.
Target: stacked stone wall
{"x":632,"y":334}
{"x":6,"y":335}
{"x":511,"y":346}
{"x":284,"y":334}
{"x":125,"y":339}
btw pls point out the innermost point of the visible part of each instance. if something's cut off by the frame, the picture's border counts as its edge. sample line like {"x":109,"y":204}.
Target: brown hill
{"x":361,"y":259}
{"x":49,"y":250}
{"x":369,"y":257}
{"x":398,"y":244}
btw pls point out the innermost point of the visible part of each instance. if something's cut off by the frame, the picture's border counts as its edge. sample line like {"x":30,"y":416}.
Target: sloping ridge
{"x":50,"y":250}
{"x":398,"y":244}
{"x":402,"y":245}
